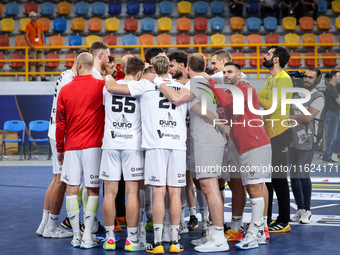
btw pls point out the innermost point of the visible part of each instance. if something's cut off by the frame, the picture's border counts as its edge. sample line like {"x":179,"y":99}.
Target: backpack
{"x":304,"y":133}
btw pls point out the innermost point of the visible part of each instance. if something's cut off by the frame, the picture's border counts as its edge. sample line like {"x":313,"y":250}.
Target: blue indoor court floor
{"x":22,"y":190}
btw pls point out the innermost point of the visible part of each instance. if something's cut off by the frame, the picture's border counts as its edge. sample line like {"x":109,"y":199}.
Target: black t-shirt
{"x":331,"y":94}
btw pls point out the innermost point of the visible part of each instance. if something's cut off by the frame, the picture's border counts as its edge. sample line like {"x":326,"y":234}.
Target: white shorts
{"x":57,"y":168}
{"x":82,"y":162}
{"x":165,"y":167}
{"x":256,"y":165}
{"x":207,"y":162}
{"x":116,"y":162}
{"x":253,"y":165}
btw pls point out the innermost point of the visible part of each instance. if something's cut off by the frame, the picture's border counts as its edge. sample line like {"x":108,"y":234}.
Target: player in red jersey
{"x":79,"y":133}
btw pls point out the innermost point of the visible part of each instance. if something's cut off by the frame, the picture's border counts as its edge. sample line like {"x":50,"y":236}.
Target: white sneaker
{"x":89,"y":243}
{"x":166,"y":235}
{"x":213,"y":246}
{"x":201,"y":240}
{"x":183,"y":228}
{"x":135,"y":246}
{"x":297,"y":216}
{"x":306,"y":217}
{"x":58,"y":232}
{"x":41,"y":229}
{"x":335,"y":156}
{"x":248,"y":242}
{"x":76,"y":242}
{"x":261,"y":237}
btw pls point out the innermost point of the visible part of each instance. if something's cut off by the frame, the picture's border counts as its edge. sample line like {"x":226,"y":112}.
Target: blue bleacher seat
{"x":217,"y":7}
{"x":98,"y":8}
{"x":201,"y":7}
{"x":59,"y":25}
{"x":165,"y":7}
{"x":217,"y":23}
{"x":82,"y":8}
{"x":148,"y":24}
{"x":129,"y":40}
{"x":115,"y":8}
{"x":254,"y":6}
{"x":270,"y":23}
{"x":12,"y":9}
{"x":75,"y":40}
{"x":132,"y":7}
{"x":149,"y":7}
{"x":322,"y":6}
{"x":253,"y":23}
{"x":47,"y":8}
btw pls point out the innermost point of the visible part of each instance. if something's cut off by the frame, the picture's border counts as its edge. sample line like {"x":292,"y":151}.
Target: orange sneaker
{"x":266,"y":232}
{"x":233,"y":236}
{"x":121,"y":220}
{"x":117,"y":227}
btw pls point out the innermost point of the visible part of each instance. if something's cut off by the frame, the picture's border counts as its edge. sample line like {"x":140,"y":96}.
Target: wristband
{"x":158,"y":82}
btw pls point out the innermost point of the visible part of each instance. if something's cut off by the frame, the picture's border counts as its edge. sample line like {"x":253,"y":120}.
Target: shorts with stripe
{"x":165,"y":167}
{"x":116,"y":162}
{"x":82,"y":162}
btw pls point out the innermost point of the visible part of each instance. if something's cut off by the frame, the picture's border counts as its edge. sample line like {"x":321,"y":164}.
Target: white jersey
{"x":218,"y":77}
{"x":96,"y":74}
{"x":203,"y":134}
{"x":63,"y":79}
{"x":163,"y":123}
{"x":123,"y":126}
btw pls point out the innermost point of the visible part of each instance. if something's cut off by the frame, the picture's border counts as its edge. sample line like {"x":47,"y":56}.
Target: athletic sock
{"x":132,"y":234}
{"x":235,"y":224}
{"x":90,"y":215}
{"x":174,"y":233}
{"x":53,"y":221}
{"x":219,"y":234}
{"x":45,"y":216}
{"x":73,"y":213}
{"x":192,"y":211}
{"x":110,"y":234}
{"x":257,"y":205}
{"x":265,"y":221}
{"x":157,"y":230}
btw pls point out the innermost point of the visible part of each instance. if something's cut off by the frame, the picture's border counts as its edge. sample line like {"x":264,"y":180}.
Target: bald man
{"x":79,"y":133}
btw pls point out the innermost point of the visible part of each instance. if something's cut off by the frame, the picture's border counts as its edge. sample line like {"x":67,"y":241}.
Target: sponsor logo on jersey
{"x":126,"y":136}
{"x":172,"y":136}
{"x":136,"y":175}
{"x":153,"y":179}
{"x":104,"y":174}
{"x":136,"y":169}
{"x":168,"y":121}
{"x":94,"y":176}
{"x":122,"y":123}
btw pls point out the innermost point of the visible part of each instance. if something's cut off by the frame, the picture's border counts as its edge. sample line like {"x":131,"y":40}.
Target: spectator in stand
{"x":336,"y":146}
{"x":291,"y":8}
{"x":34,"y":36}
{"x":332,"y":115}
{"x":270,"y":7}
{"x":236,"y":7}
{"x":309,"y":5}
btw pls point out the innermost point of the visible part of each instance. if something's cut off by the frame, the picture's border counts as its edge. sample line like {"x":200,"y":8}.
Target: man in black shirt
{"x":291,"y":8}
{"x":309,"y":5}
{"x":332,"y":114}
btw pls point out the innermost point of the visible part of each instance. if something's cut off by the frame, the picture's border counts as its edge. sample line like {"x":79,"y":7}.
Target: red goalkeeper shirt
{"x":80,"y":114}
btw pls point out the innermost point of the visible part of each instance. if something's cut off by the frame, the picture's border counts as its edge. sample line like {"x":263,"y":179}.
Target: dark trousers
{"x":296,"y":13}
{"x":266,"y":10}
{"x":306,"y":8}
{"x":237,"y":9}
{"x":279,"y":183}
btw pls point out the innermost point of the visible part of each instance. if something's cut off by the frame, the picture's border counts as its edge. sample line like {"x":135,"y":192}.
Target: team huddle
{"x":165,"y":126}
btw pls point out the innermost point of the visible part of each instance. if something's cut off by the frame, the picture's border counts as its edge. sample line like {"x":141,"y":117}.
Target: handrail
{"x":142,"y":48}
